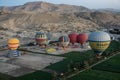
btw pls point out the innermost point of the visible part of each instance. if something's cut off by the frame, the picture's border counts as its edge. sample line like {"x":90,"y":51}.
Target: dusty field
{"x":25,"y":64}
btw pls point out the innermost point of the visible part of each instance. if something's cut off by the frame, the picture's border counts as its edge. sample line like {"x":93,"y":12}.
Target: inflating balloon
{"x":73,"y":38}
{"x":82,"y":38}
{"x":41,"y":38}
{"x":13,"y":44}
{"x":64,"y":41}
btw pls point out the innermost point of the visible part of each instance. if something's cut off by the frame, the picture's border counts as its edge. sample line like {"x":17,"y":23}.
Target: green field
{"x":5,"y":77}
{"x":96,"y":75}
{"x":112,"y":65}
{"x":38,"y":75}
{"x":79,"y":57}
{"x":72,"y":57}
{"x":108,"y":70}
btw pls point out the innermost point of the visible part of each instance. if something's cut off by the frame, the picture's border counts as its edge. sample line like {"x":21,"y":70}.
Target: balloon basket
{"x":13,"y":53}
{"x":82,"y":46}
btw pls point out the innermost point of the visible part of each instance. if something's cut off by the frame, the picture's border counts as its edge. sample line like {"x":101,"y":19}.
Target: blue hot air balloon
{"x":64,"y":41}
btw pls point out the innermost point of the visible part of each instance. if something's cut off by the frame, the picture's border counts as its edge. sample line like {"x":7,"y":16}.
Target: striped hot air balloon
{"x":99,"y":41}
{"x":13,"y":43}
{"x":41,"y":38}
{"x":64,"y":41}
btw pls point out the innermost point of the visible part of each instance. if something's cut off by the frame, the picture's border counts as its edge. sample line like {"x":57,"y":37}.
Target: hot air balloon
{"x":13,"y":44}
{"x":73,"y":38}
{"x":82,"y":38}
{"x":41,"y":38}
{"x":99,"y":42}
{"x":64,"y":41}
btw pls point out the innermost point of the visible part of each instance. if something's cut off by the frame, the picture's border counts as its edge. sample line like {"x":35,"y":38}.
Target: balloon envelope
{"x":64,"y":40}
{"x":73,"y":38}
{"x":41,"y":38}
{"x":99,"y":41}
{"x":82,"y":38}
{"x":13,"y":43}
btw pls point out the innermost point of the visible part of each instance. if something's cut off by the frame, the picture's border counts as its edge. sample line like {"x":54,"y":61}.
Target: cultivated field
{"x":71,"y":58}
{"x":96,"y":75}
{"x":111,"y":65}
{"x":38,"y":75}
{"x":108,"y":70}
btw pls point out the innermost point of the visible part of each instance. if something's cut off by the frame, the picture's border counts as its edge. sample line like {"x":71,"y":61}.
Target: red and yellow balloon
{"x":13,"y":43}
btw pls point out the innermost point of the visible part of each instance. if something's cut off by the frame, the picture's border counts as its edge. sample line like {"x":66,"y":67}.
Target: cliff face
{"x":54,"y":17}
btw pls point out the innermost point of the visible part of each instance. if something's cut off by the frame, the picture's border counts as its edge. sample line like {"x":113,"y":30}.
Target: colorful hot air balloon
{"x":13,"y":44}
{"x":64,"y":41}
{"x":41,"y":38}
{"x":73,"y":38}
{"x":99,"y":41}
{"x":82,"y":38}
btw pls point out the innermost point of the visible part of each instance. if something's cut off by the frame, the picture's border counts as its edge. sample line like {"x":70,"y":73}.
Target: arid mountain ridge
{"x":55,"y":17}
{"x":44,"y":7}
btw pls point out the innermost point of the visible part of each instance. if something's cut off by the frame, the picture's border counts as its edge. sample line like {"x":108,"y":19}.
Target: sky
{"x":92,"y":4}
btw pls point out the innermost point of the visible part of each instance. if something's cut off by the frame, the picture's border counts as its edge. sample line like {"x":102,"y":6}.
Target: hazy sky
{"x":92,"y":4}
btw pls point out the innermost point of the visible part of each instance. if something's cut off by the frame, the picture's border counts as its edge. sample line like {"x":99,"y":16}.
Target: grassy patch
{"x":78,"y":56}
{"x":112,"y":65}
{"x":72,"y":57}
{"x":60,"y":66}
{"x":96,"y":75}
{"x":38,"y":75}
{"x":5,"y":77}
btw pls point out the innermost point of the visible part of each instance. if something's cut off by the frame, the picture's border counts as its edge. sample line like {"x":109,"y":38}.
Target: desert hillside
{"x":55,"y":17}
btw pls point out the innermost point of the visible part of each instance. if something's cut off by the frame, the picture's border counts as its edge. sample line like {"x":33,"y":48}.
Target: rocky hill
{"x":108,"y":10}
{"x":54,"y":17}
{"x":101,"y":18}
{"x":44,"y":7}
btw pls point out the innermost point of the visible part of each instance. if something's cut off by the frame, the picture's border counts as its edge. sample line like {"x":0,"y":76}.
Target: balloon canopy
{"x":41,"y":38}
{"x":13,"y":43}
{"x":64,"y":40}
{"x":73,"y":38}
{"x":99,"y":41}
{"x":82,"y":38}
